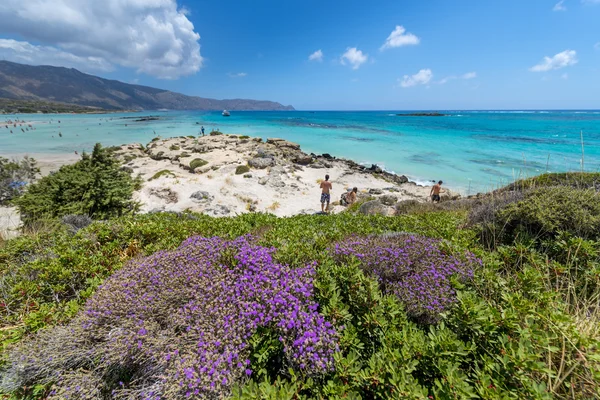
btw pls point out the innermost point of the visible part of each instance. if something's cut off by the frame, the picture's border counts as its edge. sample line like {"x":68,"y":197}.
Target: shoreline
{"x":227,"y":175}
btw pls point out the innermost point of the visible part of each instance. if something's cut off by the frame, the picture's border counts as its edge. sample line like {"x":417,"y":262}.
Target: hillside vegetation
{"x":492,"y":298}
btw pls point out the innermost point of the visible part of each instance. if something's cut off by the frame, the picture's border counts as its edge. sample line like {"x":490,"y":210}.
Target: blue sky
{"x":463,"y":54}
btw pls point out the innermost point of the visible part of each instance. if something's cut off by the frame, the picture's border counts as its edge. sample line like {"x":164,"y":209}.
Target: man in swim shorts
{"x":325,"y":193}
{"x":435,"y":192}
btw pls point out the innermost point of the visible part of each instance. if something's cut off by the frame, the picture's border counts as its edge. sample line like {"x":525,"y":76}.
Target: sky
{"x":325,"y":55}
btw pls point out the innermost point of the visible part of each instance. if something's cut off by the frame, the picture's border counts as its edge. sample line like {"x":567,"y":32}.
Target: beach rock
{"x":263,"y":152}
{"x":263,"y":180}
{"x":448,"y":195}
{"x":306,"y":160}
{"x":375,"y":168}
{"x":165,"y":194}
{"x":327,"y":156}
{"x":375,"y":191}
{"x":281,"y":143}
{"x":317,"y":165}
{"x":388,"y":199}
{"x":219,"y":210}
{"x":375,"y":207}
{"x":201,"y":196}
{"x":261,"y":163}
{"x":399,"y":179}
{"x":247,"y":175}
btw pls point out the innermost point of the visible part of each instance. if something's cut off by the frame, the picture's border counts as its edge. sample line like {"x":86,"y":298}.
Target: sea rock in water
{"x":375,"y":207}
{"x":261,"y":163}
{"x":388,"y":199}
{"x":201,"y":196}
{"x":165,"y":194}
{"x":327,"y":156}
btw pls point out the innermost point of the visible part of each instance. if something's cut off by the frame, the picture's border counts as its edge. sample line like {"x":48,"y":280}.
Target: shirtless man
{"x":435,"y":192}
{"x":351,"y":196}
{"x":325,"y":193}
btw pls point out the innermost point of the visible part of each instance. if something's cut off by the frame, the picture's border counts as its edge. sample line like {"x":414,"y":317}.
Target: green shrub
{"x":197,"y":162}
{"x":215,"y":133}
{"x":174,"y":147}
{"x":95,"y":186}
{"x":579,"y":180}
{"x":242,"y":169}
{"x":539,"y":214}
{"x":244,"y":137}
{"x":185,"y":154}
{"x":164,"y":172}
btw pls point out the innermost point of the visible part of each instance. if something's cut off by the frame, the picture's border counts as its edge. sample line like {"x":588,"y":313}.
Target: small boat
{"x":226,"y":113}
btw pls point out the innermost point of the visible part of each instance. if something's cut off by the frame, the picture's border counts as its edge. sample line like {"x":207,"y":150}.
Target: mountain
{"x":64,"y":85}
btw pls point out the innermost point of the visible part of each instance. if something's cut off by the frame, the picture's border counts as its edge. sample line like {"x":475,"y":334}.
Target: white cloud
{"x":467,"y":76}
{"x":399,"y":38}
{"x":316,"y":56}
{"x":26,"y":53}
{"x":152,"y":36}
{"x":238,"y":75}
{"x":422,"y":77}
{"x":560,"y":60}
{"x":559,"y":6}
{"x":354,"y":57}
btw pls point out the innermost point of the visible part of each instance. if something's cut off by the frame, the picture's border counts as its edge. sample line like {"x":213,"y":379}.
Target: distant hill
{"x":64,"y":85}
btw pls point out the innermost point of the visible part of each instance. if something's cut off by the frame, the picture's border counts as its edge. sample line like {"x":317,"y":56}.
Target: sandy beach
{"x":226,"y":175}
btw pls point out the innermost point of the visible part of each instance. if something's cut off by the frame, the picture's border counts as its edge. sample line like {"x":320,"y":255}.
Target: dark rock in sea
{"x":144,"y":119}
{"x":433,"y":114}
{"x":375,"y":168}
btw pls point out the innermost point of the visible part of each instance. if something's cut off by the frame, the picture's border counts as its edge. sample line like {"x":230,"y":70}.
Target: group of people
{"x":350,"y":197}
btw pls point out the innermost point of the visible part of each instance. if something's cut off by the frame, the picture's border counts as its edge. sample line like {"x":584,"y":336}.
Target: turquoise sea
{"x":470,"y":150}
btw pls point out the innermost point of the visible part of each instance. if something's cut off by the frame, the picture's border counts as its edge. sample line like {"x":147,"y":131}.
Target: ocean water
{"x":471,"y":151}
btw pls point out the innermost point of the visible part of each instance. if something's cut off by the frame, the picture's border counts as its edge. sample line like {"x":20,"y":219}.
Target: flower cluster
{"x":178,"y":324}
{"x":413,"y":268}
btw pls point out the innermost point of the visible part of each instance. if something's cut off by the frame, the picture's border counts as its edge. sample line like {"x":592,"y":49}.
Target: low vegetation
{"x":161,"y":173}
{"x":11,"y":106}
{"x":15,"y":176}
{"x":94,"y":186}
{"x":242,"y":169}
{"x":197,"y":163}
{"x":495,"y":298}
{"x":215,"y":133}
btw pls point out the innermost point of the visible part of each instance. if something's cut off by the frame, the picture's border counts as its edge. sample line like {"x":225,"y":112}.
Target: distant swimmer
{"x":22,"y":130}
{"x":59,"y":134}
{"x":10,"y":131}
{"x":325,"y":193}
{"x":435,"y":192}
{"x":76,"y":153}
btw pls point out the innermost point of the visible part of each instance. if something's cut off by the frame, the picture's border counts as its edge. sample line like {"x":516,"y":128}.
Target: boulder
{"x":375,"y":191}
{"x":263,"y":180}
{"x":165,"y":194}
{"x":327,"y":156}
{"x":303,"y":160}
{"x":261,"y":163}
{"x":247,"y":175}
{"x":281,"y":143}
{"x":201,"y":196}
{"x":400,"y":179}
{"x":375,"y":207}
{"x":375,"y":168}
{"x":388,"y":199}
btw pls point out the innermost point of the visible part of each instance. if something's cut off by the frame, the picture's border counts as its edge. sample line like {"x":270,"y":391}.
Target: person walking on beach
{"x":435,"y":192}
{"x":202,"y":130}
{"x":325,"y":193}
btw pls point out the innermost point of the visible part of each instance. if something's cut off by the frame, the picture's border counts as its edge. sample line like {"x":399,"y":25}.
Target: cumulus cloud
{"x":559,"y":6}
{"x":469,"y":75}
{"x":398,"y":38}
{"x":354,"y":57}
{"x":238,"y":75}
{"x":560,"y":60}
{"x":422,"y":77}
{"x":26,"y":53}
{"x":152,"y":36}
{"x":316,"y":56}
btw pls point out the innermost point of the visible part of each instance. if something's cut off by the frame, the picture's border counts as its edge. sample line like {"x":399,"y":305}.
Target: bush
{"x":413,"y":268}
{"x":76,"y":222}
{"x":15,"y":176}
{"x":164,"y":172}
{"x":242,"y":169}
{"x":539,"y":214}
{"x":579,"y":180}
{"x":174,"y":147}
{"x":179,"y":324}
{"x":244,"y":137}
{"x":197,"y":163}
{"x":215,"y":133}
{"x":94,"y":186}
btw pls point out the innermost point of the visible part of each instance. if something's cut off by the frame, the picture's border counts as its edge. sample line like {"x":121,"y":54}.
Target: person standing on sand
{"x":202,"y":130}
{"x":435,"y":192}
{"x":325,"y":193}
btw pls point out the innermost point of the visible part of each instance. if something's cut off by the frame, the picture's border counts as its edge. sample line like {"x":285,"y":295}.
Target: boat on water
{"x":226,"y":113}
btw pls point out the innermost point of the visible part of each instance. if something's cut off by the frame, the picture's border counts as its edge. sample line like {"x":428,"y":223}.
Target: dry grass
{"x":274,"y":206}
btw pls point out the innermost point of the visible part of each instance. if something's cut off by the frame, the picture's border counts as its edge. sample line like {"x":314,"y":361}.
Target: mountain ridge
{"x":71,"y":86}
